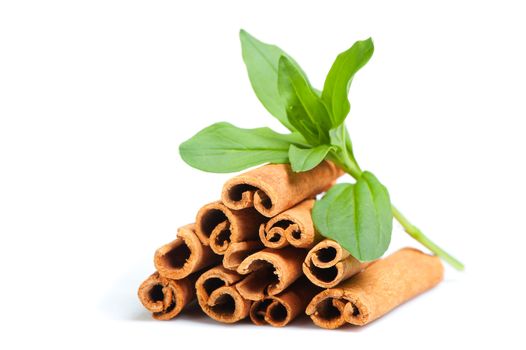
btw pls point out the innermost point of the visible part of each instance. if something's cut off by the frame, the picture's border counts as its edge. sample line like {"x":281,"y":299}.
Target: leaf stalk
{"x":418,"y":235}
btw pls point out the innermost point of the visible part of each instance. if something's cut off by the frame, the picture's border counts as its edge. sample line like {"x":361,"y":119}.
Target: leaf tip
{"x":284,"y":65}
{"x":183,"y":153}
{"x":370,"y":43}
{"x":295,"y":169}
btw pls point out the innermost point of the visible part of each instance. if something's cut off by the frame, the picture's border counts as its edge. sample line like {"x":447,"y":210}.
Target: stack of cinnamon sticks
{"x":256,"y":253}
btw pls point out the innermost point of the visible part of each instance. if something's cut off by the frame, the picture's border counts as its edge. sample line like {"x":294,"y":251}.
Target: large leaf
{"x":225,"y":148}
{"x":336,"y":88}
{"x":305,"y":109}
{"x":357,"y":216}
{"x":262,"y":62}
{"x":304,"y":159}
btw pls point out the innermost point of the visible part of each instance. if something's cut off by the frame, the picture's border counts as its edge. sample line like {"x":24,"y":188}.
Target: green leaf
{"x":357,"y":216}
{"x":262,"y":65}
{"x":336,"y":88}
{"x":305,"y":109}
{"x":225,"y":148}
{"x":338,"y":135}
{"x":304,"y":159}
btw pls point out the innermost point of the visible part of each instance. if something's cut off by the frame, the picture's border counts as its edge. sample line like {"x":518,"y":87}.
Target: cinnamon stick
{"x":327,"y":264}
{"x":239,"y":251}
{"x":270,"y":271}
{"x":279,"y":310}
{"x":382,"y":286}
{"x":218,"y":297}
{"x":218,"y":225}
{"x":164,"y":297}
{"x":183,"y":256}
{"x":274,"y":188}
{"x":294,"y":226}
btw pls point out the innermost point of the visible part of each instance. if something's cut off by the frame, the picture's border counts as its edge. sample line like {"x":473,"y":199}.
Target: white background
{"x":96,"y":96}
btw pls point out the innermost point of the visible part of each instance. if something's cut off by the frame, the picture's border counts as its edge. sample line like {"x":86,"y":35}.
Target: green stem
{"x":418,"y":235}
{"x":350,"y":166}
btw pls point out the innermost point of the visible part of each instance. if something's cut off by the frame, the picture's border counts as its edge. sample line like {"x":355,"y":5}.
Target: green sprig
{"x":359,"y":215}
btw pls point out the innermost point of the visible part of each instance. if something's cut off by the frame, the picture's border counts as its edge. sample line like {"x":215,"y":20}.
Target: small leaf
{"x":304,"y":159}
{"x":305,"y":109}
{"x":224,"y":148}
{"x":336,"y":88}
{"x":262,"y":66}
{"x":340,"y":139}
{"x":357,"y":216}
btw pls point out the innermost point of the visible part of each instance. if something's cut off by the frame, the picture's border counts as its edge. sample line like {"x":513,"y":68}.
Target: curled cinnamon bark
{"x":279,"y":310}
{"x":164,"y":297}
{"x":218,"y":297}
{"x":327,"y":264}
{"x":294,"y":226}
{"x":183,"y":256}
{"x":270,"y":272}
{"x":239,"y":251}
{"x":274,"y":188}
{"x":218,"y":226}
{"x":381,"y":287}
